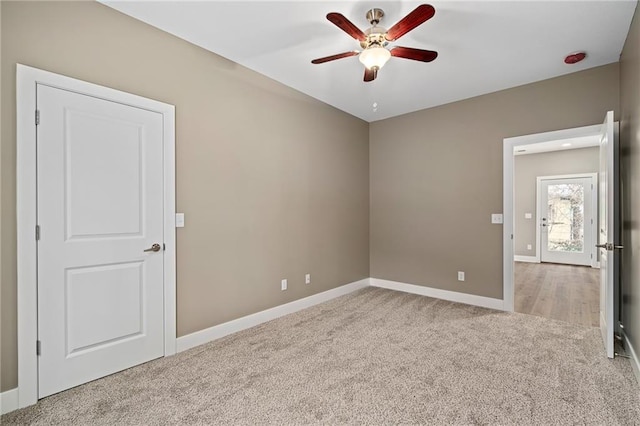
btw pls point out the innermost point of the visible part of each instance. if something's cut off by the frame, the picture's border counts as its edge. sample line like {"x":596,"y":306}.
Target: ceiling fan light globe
{"x":374,"y":57}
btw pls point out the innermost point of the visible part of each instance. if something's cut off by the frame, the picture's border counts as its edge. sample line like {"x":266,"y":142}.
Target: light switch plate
{"x":528,"y":216}
{"x":179,"y":220}
{"x":496,"y":218}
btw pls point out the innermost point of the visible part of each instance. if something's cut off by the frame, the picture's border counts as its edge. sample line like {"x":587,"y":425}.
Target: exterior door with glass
{"x":566,"y":219}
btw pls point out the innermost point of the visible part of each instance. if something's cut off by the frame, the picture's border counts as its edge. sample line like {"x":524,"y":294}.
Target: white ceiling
{"x":558,"y":145}
{"x":483,"y":46}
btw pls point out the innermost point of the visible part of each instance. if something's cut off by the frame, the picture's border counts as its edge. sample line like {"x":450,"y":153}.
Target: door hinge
{"x":37,"y":232}
{"x":512,"y":236}
{"x":37,"y":117}
{"x":38,"y":347}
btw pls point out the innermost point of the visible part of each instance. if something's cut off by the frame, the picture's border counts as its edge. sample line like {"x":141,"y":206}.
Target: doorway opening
{"x":608,"y":240}
{"x":552,"y":208}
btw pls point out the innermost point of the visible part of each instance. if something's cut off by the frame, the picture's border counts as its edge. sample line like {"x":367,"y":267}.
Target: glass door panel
{"x":565,"y":215}
{"x":566,"y":220}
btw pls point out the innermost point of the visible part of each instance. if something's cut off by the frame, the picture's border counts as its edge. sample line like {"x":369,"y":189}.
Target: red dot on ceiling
{"x":574,"y":58}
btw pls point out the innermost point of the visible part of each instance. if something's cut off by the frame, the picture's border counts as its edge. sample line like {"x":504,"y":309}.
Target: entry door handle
{"x":154,"y":247}
{"x":609,"y":246}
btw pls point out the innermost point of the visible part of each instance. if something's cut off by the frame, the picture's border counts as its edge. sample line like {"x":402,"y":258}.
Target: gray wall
{"x":526,"y":170}
{"x":436,"y":177}
{"x":630,"y":180}
{"x":274,"y":184}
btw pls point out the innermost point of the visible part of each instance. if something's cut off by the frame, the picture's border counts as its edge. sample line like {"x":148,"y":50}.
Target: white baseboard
{"x":209,"y":334}
{"x":528,"y":259}
{"x":9,"y":401}
{"x":453,"y":296}
{"x":635,"y":362}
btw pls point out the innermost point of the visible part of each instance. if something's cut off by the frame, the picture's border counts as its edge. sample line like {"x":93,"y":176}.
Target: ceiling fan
{"x":375,"y":39}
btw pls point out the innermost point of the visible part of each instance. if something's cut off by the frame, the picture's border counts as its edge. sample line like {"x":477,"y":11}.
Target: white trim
{"x":537,"y":224}
{"x":26,"y":244}
{"x":594,"y":211}
{"x":507,"y":197}
{"x":170,"y":275}
{"x":528,"y":259}
{"x":453,"y":296}
{"x":216,"y":332}
{"x":508,"y":227}
{"x":570,"y":176}
{"x":27,"y":80}
{"x":634,"y":360}
{"x":8,"y":401}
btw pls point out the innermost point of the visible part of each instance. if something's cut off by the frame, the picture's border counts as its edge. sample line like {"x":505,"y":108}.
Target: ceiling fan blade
{"x":415,"y":54}
{"x":370,"y":75}
{"x":334,"y":57}
{"x":420,"y":14}
{"x":346,"y":25}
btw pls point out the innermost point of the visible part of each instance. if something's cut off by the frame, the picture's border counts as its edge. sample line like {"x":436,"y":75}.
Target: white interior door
{"x":566,"y":219}
{"x":607,"y":214}
{"x":100,"y":205}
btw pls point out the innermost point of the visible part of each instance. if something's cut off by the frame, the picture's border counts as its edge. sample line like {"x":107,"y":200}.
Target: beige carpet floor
{"x":372,"y":357}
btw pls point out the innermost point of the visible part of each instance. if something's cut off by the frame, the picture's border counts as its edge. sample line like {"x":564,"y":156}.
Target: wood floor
{"x":562,"y":292}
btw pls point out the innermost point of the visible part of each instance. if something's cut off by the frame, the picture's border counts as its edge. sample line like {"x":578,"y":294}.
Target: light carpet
{"x":372,"y":357}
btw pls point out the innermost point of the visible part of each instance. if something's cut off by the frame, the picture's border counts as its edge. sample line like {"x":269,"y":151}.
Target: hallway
{"x":562,"y":292}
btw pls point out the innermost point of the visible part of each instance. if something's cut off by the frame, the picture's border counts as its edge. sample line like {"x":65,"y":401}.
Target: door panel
{"x":95,"y":142}
{"x":607,"y":214}
{"x":100,"y":205}
{"x":566,"y":220}
{"x":92,"y":294}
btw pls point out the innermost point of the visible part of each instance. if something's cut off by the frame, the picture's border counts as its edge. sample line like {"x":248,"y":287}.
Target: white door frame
{"x":507,"y":196}
{"x":594,"y":212}
{"x":27,"y":80}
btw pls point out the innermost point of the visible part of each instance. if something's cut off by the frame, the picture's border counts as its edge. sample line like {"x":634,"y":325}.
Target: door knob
{"x":609,"y":246}
{"x":154,"y":247}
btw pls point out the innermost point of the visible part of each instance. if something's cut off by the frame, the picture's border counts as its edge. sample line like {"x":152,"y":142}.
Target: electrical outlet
{"x":460,"y":276}
{"x":307,"y":279}
{"x":283,"y":285}
{"x":529,"y":247}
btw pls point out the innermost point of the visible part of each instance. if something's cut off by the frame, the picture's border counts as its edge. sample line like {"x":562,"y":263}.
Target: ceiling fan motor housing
{"x":375,"y":34}
{"x":375,"y":37}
